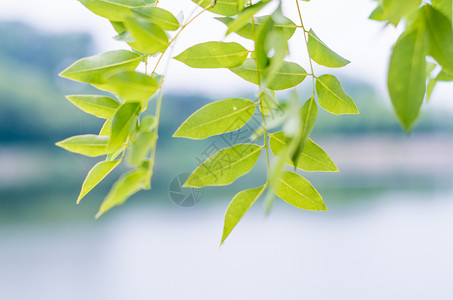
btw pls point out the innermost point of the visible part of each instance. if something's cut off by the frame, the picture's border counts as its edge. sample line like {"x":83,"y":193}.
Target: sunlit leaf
{"x":214,"y":55}
{"x":148,"y":37}
{"x":87,"y":144}
{"x":406,"y":78}
{"x":244,"y":17}
{"x":222,"y":7}
{"x":225,"y":166}
{"x":307,"y":119}
{"x":217,"y":118}
{"x":288,"y":75}
{"x":114,"y":10}
{"x":395,"y":10}
{"x":313,"y":157}
{"x":96,"y":175}
{"x":238,"y":207}
{"x":332,"y":97}
{"x":322,"y":54}
{"x":123,"y":122}
{"x":445,"y":7}
{"x":299,"y":192}
{"x":161,"y":17}
{"x":139,"y":147}
{"x":99,"y":106}
{"x":92,"y":69}
{"x":128,"y":184}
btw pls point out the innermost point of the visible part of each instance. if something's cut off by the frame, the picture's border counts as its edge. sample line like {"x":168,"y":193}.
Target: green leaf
{"x":222,"y":7}
{"x":139,"y":147}
{"x":313,"y":158}
{"x":238,"y":207}
{"x":123,"y":123}
{"x":217,"y":118}
{"x":147,"y":124}
{"x":269,"y":102}
{"x":407,"y":76}
{"x":444,"y":76}
{"x":87,"y":144}
{"x":96,"y":175}
{"x":114,"y":10}
{"x":440,"y":37}
{"x":106,"y":129}
{"x":128,"y":184}
{"x":148,"y":38}
{"x":285,"y":27}
{"x":299,"y":192}
{"x":332,"y":97}
{"x":244,"y":17}
{"x":378,"y":14}
{"x":131,"y":86}
{"x":307,"y":118}
{"x":322,"y":54}
{"x":161,"y":17}
{"x":445,"y":7}
{"x":214,"y":55}
{"x":98,"y":106}
{"x":288,"y":75}
{"x":395,"y":10}
{"x":92,"y":69}
{"x":225,"y":166}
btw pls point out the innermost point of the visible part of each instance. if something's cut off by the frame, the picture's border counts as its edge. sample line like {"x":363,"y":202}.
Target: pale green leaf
{"x":238,"y":207}
{"x":96,"y":175}
{"x":92,"y":69}
{"x":217,"y":118}
{"x":222,"y":7}
{"x":148,"y":38}
{"x":332,"y":97}
{"x":87,"y":144}
{"x":288,"y":75}
{"x":322,"y":54}
{"x":307,"y":118}
{"x":225,"y":166}
{"x":99,"y":106}
{"x":106,"y":129}
{"x":440,"y":37}
{"x":123,"y":123}
{"x":285,"y":27}
{"x":214,"y":55}
{"x":395,"y":10}
{"x":299,"y":192}
{"x":407,"y":76}
{"x":161,"y":17}
{"x":114,"y":10}
{"x":140,"y":147}
{"x":244,"y":17}
{"x":128,"y":184}
{"x":131,"y":86}
{"x":313,"y":157}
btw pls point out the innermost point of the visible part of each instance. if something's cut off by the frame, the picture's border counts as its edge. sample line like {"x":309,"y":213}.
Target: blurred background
{"x":387,"y":234}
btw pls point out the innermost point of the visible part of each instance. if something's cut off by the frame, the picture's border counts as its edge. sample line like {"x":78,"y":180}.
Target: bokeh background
{"x":387,"y":234}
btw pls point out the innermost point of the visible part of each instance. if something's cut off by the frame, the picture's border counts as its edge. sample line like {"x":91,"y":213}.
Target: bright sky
{"x":343,"y":25}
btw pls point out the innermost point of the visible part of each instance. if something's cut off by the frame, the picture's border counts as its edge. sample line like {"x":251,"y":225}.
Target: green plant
{"x":151,"y":33}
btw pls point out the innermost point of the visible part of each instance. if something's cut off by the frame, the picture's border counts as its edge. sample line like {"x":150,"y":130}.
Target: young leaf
{"x":299,"y":192}
{"x":87,"y":144}
{"x":332,"y":97}
{"x":161,"y":17}
{"x":285,"y":27}
{"x":96,"y":175}
{"x":148,"y":38}
{"x":214,"y":55}
{"x":322,"y":54}
{"x":244,"y":17}
{"x":307,"y":119}
{"x":92,"y":69}
{"x":395,"y":10}
{"x":407,"y":76}
{"x":288,"y":75}
{"x":114,"y":10}
{"x":123,"y":123}
{"x":139,"y":147}
{"x":128,"y":184}
{"x":98,"y":106}
{"x":221,"y":7}
{"x":225,"y":166}
{"x":440,"y":37}
{"x":131,"y":86}
{"x":313,"y":158}
{"x":106,"y":129}
{"x":238,"y":207}
{"x":217,"y":118}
